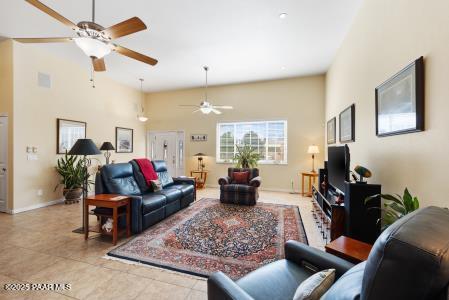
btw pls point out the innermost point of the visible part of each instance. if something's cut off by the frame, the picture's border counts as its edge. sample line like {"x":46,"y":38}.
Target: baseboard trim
{"x":35,"y":206}
{"x":262,"y":189}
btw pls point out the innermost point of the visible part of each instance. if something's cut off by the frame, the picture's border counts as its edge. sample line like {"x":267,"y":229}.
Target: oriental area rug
{"x":209,"y":236}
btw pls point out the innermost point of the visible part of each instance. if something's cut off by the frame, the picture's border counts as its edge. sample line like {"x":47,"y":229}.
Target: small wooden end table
{"x":201,"y":179}
{"x":352,"y":250}
{"x":312,"y":176}
{"x":109,"y":201}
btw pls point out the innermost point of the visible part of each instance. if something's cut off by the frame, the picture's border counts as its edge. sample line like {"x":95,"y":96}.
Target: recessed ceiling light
{"x":283,"y":68}
{"x":283,"y":15}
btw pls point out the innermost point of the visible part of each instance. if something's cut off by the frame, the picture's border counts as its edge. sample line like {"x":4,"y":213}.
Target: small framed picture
{"x":331,"y":131}
{"x":123,"y":140}
{"x":198,"y":137}
{"x":400,"y":101}
{"x":68,"y":132}
{"x":347,"y":125}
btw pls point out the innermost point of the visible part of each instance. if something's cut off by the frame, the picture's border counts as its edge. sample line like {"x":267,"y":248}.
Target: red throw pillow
{"x":241,"y":177}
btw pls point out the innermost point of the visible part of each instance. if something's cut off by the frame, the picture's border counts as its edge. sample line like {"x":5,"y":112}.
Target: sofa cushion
{"x":314,"y":287}
{"x":152,"y":201}
{"x":276,"y":281}
{"x":119,"y":179}
{"x":186,"y":189}
{"x":420,"y":237}
{"x":348,"y":286}
{"x":140,"y":179}
{"x":240,"y":177}
{"x":238,"y":188}
{"x":172,"y":194}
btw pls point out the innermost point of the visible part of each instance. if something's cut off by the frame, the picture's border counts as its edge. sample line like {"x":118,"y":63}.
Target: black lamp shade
{"x":107,"y":146}
{"x":200,"y":154}
{"x":84,"y":147}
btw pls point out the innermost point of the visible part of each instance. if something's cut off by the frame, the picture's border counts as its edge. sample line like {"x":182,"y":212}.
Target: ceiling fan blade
{"x":216,"y":111}
{"x":223,"y":107}
{"x":99,"y":65}
{"x":135,"y":55}
{"x":186,"y":105}
{"x":125,"y":28}
{"x":44,"y":40}
{"x":39,"y":5}
{"x":195,"y":111}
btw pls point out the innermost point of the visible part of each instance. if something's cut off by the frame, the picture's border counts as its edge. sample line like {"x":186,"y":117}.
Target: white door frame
{"x":5,"y":209}
{"x":181,"y":131}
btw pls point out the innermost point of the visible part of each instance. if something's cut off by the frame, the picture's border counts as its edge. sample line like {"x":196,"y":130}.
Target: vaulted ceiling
{"x":240,"y":40}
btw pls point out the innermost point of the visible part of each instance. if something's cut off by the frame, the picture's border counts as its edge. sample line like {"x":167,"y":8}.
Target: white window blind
{"x":268,"y":138}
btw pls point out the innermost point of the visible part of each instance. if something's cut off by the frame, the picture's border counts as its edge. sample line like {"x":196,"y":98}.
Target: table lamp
{"x":106,"y":147}
{"x":200,"y":160}
{"x":84,"y":147}
{"x":313,"y":149}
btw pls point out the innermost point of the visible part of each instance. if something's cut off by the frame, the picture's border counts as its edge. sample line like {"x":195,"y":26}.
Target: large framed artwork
{"x":68,"y":132}
{"x":332,"y":131}
{"x":347,"y":125}
{"x":400,"y":101}
{"x":123,"y":140}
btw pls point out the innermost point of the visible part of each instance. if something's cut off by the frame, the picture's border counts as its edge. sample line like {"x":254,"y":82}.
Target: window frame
{"x":218,"y":160}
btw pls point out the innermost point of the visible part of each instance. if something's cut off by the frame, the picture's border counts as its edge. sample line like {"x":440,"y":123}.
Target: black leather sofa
{"x":410,"y":260}
{"x":147,"y":207}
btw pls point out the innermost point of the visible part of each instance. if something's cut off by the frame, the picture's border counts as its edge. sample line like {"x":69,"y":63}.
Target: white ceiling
{"x":240,"y":40}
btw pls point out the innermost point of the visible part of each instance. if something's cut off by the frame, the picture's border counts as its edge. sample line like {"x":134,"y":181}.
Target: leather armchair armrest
{"x":221,"y":287}
{"x":187,"y":180}
{"x":224,"y":180}
{"x":256,"y":181}
{"x":312,"y":258}
{"x":136,"y":214}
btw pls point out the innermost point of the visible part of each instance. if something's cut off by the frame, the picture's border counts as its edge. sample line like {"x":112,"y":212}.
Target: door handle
{"x":4,"y":169}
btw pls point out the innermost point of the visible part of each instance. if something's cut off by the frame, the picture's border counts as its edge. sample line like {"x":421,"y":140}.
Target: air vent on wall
{"x":43,"y":80}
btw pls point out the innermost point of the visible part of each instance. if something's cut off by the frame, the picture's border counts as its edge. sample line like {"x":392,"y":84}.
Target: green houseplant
{"x":395,"y":206}
{"x":73,"y":173}
{"x":247,"y":157}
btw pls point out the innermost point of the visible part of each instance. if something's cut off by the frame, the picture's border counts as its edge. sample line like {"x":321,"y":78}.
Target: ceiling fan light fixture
{"x":93,"y":47}
{"x":206,"y":110}
{"x":142,"y":118}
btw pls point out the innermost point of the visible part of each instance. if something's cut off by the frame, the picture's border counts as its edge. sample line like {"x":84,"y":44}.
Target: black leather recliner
{"x":410,"y":260}
{"x":147,"y":207}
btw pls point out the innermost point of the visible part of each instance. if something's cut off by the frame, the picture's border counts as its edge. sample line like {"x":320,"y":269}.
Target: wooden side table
{"x":352,"y":250}
{"x":201,"y":179}
{"x":109,"y":201}
{"x":312,"y":177}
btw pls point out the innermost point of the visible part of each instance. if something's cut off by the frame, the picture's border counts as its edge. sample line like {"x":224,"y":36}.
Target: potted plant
{"x":395,"y":206}
{"x":247,"y":157}
{"x":73,"y":174}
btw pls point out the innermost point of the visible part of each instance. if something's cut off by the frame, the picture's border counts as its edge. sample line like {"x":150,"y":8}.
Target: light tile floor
{"x":39,"y":247}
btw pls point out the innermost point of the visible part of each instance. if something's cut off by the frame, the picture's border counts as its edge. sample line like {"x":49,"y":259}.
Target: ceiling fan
{"x":92,"y":38}
{"x":206,"y":107}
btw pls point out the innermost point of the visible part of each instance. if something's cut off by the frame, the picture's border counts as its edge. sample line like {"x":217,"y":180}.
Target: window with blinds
{"x":268,"y":138}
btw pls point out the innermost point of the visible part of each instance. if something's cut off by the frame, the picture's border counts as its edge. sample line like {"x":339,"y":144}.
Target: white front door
{"x":168,"y":146}
{"x":3,"y":163}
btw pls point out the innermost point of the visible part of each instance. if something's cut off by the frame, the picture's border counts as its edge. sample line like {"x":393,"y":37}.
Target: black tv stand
{"x":352,"y":218}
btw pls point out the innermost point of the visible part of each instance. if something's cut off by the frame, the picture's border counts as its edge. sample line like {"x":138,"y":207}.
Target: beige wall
{"x":385,"y":36}
{"x":299,"y":100}
{"x":6,"y":105}
{"x":71,"y":96}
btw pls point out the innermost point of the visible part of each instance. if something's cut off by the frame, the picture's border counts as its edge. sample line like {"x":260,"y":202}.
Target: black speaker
{"x":361,"y":222}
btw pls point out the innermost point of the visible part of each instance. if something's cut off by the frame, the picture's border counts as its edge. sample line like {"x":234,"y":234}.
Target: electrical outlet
{"x":40,"y":192}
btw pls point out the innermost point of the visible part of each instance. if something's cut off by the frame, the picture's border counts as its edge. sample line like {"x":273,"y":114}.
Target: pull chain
{"x":92,"y":78}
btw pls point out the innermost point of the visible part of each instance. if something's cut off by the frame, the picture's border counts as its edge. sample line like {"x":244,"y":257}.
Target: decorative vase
{"x":72,"y":195}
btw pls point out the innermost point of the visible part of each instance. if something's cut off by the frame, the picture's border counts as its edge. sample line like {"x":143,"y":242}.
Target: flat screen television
{"x":338,"y":166}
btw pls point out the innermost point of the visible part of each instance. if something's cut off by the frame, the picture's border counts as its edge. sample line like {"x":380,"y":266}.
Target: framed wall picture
{"x":123,"y":140}
{"x":400,"y":101}
{"x":68,"y":132}
{"x":331,"y":131}
{"x":347,"y":125}
{"x":198,"y":137}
